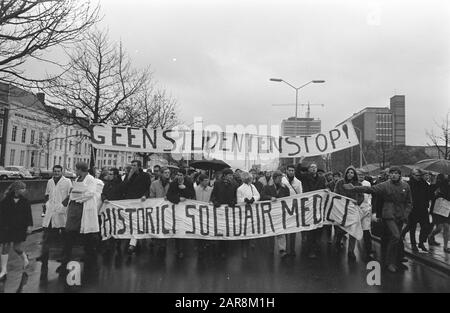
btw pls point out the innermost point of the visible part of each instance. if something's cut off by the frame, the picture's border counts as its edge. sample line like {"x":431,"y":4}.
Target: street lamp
{"x":315,"y":81}
{"x":360,"y":146}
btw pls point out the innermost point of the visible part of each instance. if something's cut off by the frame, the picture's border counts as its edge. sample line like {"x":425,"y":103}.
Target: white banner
{"x":442,"y":207}
{"x":237,"y":145}
{"x":158,"y":218}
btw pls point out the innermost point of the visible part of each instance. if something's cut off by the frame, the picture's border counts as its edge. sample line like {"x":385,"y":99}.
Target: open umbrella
{"x":216,"y":165}
{"x":435,"y":165}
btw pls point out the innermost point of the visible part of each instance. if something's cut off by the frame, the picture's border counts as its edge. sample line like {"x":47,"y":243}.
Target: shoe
{"x":42,"y":214}
{"x":131,"y":250}
{"x":392,"y":268}
{"x":404,"y":260}
{"x":422,"y":246}
{"x":351,"y":256}
{"x":433,"y":243}
{"x":3,"y":278}
{"x":283,"y":254}
{"x":414,"y":248}
{"x":312,"y":255}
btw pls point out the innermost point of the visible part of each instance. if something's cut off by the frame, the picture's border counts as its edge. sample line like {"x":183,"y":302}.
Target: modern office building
{"x":382,"y":125}
{"x":300,"y":126}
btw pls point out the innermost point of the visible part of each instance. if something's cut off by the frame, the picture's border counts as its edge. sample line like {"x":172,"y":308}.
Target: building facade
{"x":382,"y":125}
{"x":300,"y":126}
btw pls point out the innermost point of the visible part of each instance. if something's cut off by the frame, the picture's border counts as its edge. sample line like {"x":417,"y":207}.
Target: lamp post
{"x":279,"y":80}
{"x":360,"y":146}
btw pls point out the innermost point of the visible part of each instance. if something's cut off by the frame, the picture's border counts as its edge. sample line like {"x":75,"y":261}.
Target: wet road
{"x":261,"y":272}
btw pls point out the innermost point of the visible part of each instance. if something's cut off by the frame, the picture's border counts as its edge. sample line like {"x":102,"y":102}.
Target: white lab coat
{"x":56,"y":212}
{"x":90,"y":200}
{"x":296,"y":187}
{"x":247,"y":191}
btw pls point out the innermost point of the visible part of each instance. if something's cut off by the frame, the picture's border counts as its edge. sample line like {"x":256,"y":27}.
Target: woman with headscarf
{"x":16,"y":222}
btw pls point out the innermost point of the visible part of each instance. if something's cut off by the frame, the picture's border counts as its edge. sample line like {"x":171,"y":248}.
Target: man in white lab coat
{"x":56,"y":195}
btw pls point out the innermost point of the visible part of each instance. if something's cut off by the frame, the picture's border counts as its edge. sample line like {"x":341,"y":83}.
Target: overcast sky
{"x":216,"y":57}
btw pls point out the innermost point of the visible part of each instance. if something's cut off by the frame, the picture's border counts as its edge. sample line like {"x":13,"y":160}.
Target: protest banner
{"x":159,"y":218}
{"x":124,"y":138}
{"x":442,"y":207}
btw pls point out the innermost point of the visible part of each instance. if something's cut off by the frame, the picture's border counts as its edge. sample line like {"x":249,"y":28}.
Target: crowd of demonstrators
{"x":72,"y":209}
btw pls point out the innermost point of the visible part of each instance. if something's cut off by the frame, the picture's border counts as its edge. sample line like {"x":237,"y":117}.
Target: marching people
{"x":16,"y":222}
{"x":246,"y":194}
{"x":311,"y":181}
{"x":255,"y":181}
{"x":350,"y":177}
{"x":203,"y":193}
{"x":159,"y":189}
{"x":136,"y":185}
{"x":112,"y":190}
{"x":224,"y":193}
{"x":286,"y":243}
{"x":82,"y":216}
{"x":397,"y":202}
{"x":365,"y":209}
{"x":54,"y":222}
{"x":421,"y":195}
{"x":272,"y":192}
{"x":442,"y":190}
{"x":180,"y":190}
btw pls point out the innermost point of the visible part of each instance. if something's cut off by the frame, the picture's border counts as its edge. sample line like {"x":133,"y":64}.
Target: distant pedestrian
{"x":16,"y":222}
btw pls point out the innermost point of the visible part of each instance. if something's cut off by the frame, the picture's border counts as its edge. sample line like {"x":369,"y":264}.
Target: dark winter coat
{"x":224,"y":193}
{"x":311,"y":182}
{"x":421,"y":194}
{"x":270,"y":191}
{"x":175,"y":193}
{"x":113,"y":190}
{"x":14,"y":219}
{"x":137,"y":186}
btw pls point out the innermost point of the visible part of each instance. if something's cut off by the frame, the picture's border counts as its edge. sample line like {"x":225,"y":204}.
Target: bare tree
{"x":30,"y":27}
{"x":441,"y":139}
{"x":98,"y":82}
{"x":152,"y":108}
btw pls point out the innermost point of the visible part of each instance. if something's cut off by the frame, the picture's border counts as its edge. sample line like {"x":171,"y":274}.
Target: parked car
{"x":45,"y":173}
{"x":23,"y":172}
{"x":5,"y":174}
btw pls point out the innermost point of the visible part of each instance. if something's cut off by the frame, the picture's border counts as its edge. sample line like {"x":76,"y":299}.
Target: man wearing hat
{"x":397,"y":203}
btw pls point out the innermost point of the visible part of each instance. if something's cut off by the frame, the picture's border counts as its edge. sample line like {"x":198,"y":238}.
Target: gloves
{"x":249,"y":201}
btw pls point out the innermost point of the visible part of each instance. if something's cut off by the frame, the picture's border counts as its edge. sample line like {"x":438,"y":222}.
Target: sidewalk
{"x":435,"y":257}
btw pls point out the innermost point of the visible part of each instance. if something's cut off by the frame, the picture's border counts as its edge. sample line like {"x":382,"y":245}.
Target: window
{"x":41,"y":138}
{"x":109,"y":162}
{"x":24,"y":135}
{"x":22,"y":158}
{"x":68,"y":161}
{"x":70,"y":145}
{"x":2,"y":111}
{"x":33,"y":134}
{"x":60,"y":144}
{"x":1,"y":127}
{"x":14,"y":133}
{"x":54,"y":160}
{"x":59,"y":159}
{"x":12,"y":157}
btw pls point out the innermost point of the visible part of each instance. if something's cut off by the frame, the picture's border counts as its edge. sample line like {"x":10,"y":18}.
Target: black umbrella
{"x":216,"y":165}
{"x":434,"y":165}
